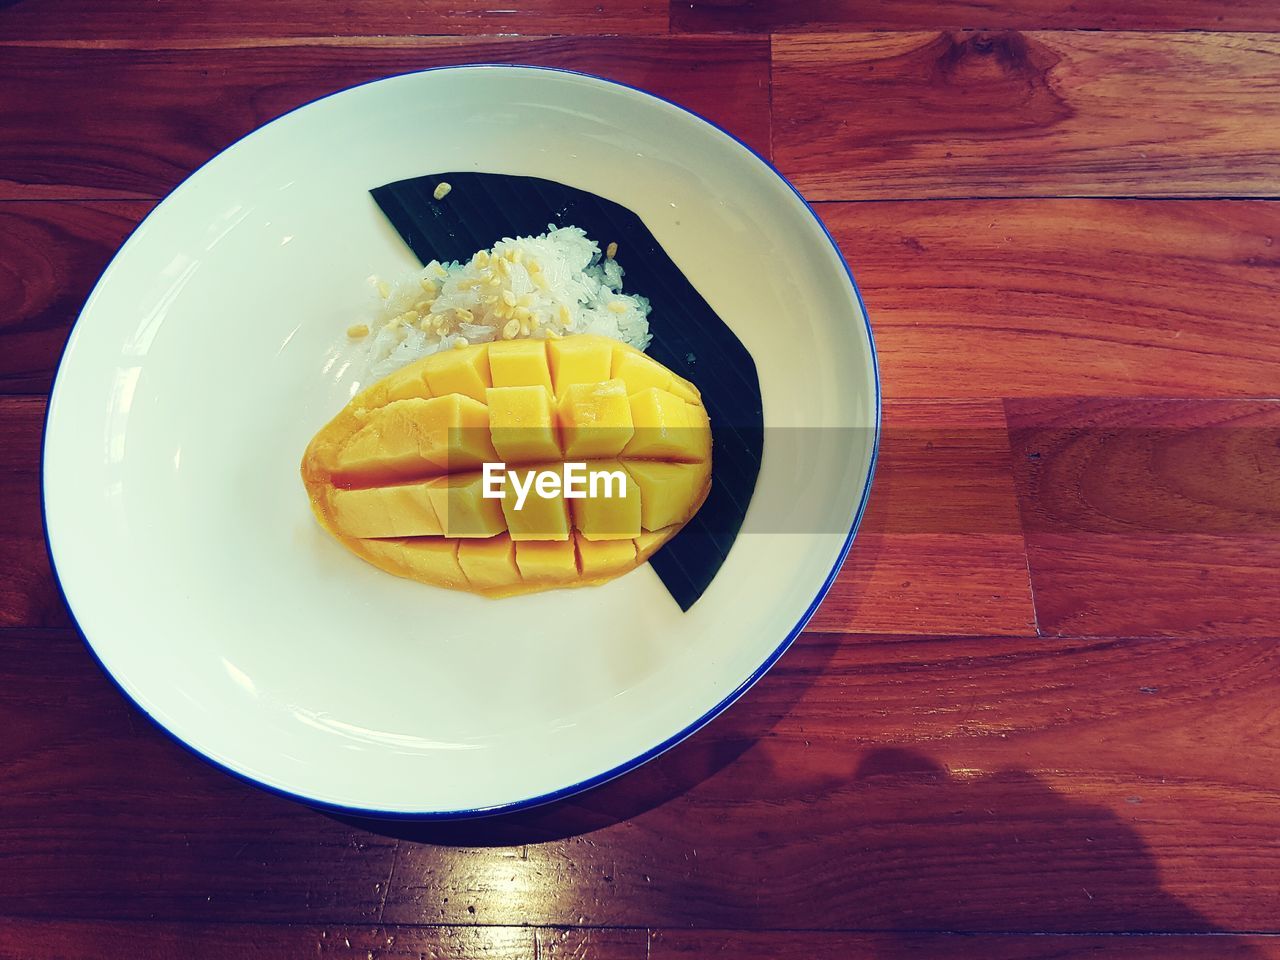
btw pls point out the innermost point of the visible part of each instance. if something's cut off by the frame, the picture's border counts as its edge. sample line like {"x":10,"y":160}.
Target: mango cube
{"x":615,"y":517}
{"x":547,"y":561}
{"x":595,"y":419}
{"x":519,"y":363}
{"x":418,"y":437}
{"x":685,"y":390}
{"x":389,"y":443}
{"x":404,"y":510}
{"x":490,"y":562}
{"x":464,"y":371}
{"x":430,"y":559}
{"x":539,"y":517}
{"x":638,"y":370}
{"x":522,"y":423}
{"x":668,"y":491}
{"x":579,"y":360}
{"x":463,"y":509}
{"x":662,"y":427}
{"x":406,"y":384}
{"x":604,"y":558}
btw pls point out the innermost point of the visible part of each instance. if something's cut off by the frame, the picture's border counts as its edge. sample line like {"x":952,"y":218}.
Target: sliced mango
{"x":604,"y":559}
{"x":462,"y":507}
{"x":640,"y":371}
{"x":519,"y":363}
{"x":662,"y":428}
{"x":604,"y":517}
{"x":464,"y":371}
{"x":403,"y":510}
{"x":429,"y":559}
{"x":489,"y":563}
{"x":595,"y":419}
{"x":522,"y":423}
{"x":407,"y":383}
{"x":417,"y":437}
{"x":667,"y":491}
{"x":583,"y":359}
{"x":547,"y":561}
{"x":398,"y":475}
{"x":539,"y":517}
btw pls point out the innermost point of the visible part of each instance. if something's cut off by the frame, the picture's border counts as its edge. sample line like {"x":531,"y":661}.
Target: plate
{"x":213,"y":348}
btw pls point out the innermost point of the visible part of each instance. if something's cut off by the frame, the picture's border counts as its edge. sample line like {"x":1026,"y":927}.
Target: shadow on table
{"x":1004,"y":852}
{"x":671,"y":775}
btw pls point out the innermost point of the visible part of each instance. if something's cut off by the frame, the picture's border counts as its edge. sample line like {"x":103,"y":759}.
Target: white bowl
{"x":214,"y":347}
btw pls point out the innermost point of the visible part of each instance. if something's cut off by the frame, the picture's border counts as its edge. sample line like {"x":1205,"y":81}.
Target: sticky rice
{"x":556,"y":284}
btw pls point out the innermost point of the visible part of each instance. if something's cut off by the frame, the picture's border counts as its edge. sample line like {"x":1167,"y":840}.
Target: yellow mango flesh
{"x":462,"y":508}
{"x":595,"y":419}
{"x":663,"y":489}
{"x":489,"y":563}
{"x":547,"y":561}
{"x":604,"y":558}
{"x":403,"y":510}
{"x":540,"y":518}
{"x":609,"y":518}
{"x":519,"y":363}
{"x":522,"y":423}
{"x":398,"y":475}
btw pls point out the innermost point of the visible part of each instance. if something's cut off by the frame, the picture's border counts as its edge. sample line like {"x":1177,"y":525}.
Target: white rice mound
{"x":553,"y":285}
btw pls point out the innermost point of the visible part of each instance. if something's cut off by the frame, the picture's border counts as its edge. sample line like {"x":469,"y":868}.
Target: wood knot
{"x":1004,"y":76}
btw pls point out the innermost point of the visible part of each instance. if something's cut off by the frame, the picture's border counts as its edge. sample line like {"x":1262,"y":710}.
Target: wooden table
{"x":1040,"y":709}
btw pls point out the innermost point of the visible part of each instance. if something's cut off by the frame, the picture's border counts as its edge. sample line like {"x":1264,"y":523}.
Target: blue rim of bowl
{"x":599,"y":779}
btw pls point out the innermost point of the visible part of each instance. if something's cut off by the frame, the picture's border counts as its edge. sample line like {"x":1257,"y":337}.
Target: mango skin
{"x":434,"y":559}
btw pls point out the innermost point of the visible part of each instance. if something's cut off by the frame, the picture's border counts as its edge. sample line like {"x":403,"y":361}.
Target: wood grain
{"x":816,"y":945}
{"x":1151,"y":517}
{"x":169,"y":20}
{"x":116,"y":940}
{"x":28,"y":594}
{"x":946,"y":114}
{"x":1099,"y":780}
{"x":133,"y":123}
{"x":1069,"y":297}
{"x":809,"y":16}
{"x":51,"y":254}
{"x":22,"y":939}
{"x":940,"y":548}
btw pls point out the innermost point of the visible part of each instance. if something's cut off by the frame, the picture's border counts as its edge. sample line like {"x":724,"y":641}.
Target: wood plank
{"x":931,"y":779}
{"x":51,"y":254}
{"x":940,"y":548}
{"x":169,"y":20}
{"x":22,"y":939}
{"x":104,"y":816}
{"x":1079,"y":297}
{"x":133,"y":123}
{"x":28,"y":594}
{"x":823,"y":945}
{"x":1158,"y":517}
{"x":812,"y":16}
{"x":900,"y":115}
